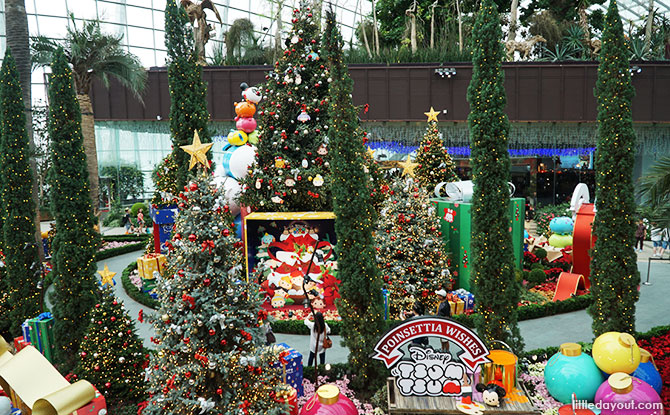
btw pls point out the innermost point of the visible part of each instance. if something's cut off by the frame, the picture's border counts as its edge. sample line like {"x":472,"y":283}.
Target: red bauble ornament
{"x":108,"y":385}
{"x":113,"y":318}
{"x":219,"y":391}
{"x":192,"y":237}
{"x":226,"y":232}
{"x":212,"y":332}
{"x":206,"y":282}
{"x":193,"y":187}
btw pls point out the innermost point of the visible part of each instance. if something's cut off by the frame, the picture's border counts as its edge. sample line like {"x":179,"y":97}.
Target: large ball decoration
{"x":246,"y":124}
{"x":237,"y":138}
{"x":562,"y":225}
{"x":245,"y":109}
{"x":253,"y":137}
{"x":5,"y":405}
{"x":616,"y":352}
{"x":622,"y":389}
{"x":236,"y":161}
{"x":329,"y":401}
{"x":571,"y":371}
{"x":647,"y":372}
{"x":231,"y":190}
{"x":560,"y":241}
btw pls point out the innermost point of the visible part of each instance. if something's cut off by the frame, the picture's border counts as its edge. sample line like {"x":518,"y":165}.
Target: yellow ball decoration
{"x":237,"y":138}
{"x":616,"y":352}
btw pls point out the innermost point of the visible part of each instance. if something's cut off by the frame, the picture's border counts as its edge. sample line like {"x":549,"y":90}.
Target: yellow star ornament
{"x":198,"y":151}
{"x":432,"y":115}
{"x":408,"y":166}
{"x":107,"y":276}
{"x":371,"y":152}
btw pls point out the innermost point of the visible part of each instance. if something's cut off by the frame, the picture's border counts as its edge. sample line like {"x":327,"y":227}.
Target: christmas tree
{"x":434,"y":163}
{"x":361,"y":306}
{"x":111,"y":354}
{"x":614,"y":272}
{"x":21,"y":257}
{"x":208,"y":326}
{"x":188,"y":100}
{"x":292,"y":171}
{"x":76,"y":242}
{"x":412,"y":256}
{"x":493,"y":278}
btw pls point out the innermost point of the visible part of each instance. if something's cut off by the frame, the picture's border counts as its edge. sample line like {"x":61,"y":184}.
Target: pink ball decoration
{"x":329,"y":401}
{"x":623,"y":394}
{"x":246,"y":124}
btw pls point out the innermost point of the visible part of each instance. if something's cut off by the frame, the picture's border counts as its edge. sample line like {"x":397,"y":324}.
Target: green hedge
{"x":108,"y":253}
{"x":527,"y":312}
{"x":126,"y":238}
{"x":135,"y":293}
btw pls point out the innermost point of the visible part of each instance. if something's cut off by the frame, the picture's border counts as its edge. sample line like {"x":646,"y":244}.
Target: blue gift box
{"x":25,"y":330}
{"x":164,"y":224}
{"x":293,"y":368}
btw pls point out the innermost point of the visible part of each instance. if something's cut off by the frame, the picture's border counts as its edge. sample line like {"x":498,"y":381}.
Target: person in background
{"x":140,"y":221}
{"x":418,"y":309}
{"x":640,"y":234}
{"x":318,"y":330}
{"x":665,"y":241}
{"x":443,"y":310}
{"x":125,"y":221}
{"x":657,"y":240}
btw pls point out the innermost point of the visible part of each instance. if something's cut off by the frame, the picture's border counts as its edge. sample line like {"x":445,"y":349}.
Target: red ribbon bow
{"x":282,"y":357}
{"x":189,"y":300}
{"x":141,"y":407}
{"x":207,"y":245}
{"x":140,"y":316}
{"x":202,"y":358}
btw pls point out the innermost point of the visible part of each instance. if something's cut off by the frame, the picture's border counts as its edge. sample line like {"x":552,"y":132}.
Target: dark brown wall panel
{"x":535,"y":92}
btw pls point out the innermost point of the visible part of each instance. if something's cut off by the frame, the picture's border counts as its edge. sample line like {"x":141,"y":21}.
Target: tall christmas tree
{"x":494,"y":283}
{"x":434,"y":162}
{"x":188,"y":99}
{"x":75,"y":244}
{"x":111,"y":354}
{"x":412,"y":256}
{"x":614,"y":272}
{"x":292,"y":164}
{"x":361,"y":306}
{"x":208,"y":330}
{"x":18,"y":227}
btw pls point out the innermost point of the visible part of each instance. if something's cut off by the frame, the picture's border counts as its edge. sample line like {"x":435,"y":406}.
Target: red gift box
{"x":97,"y":406}
{"x":20,"y":343}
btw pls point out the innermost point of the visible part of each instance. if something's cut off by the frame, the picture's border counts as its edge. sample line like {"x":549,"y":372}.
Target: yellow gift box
{"x":147,"y":264}
{"x":457,"y":307}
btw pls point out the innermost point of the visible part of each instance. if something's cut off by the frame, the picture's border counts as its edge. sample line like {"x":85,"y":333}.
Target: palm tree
{"x":18,"y":41}
{"x":654,"y":190}
{"x":92,"y":54}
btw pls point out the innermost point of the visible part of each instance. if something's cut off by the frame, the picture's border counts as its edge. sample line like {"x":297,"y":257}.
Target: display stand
{"x":647,"y":282}
{"x":399,"y":404}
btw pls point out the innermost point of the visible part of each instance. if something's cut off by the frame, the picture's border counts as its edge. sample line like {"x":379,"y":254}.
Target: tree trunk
{"x":278,"y":25}
{"x":365,"y":35}
{"x":88,"y":131}
{"x":584,"y":24}
{"x":650,"y":26}
{"x":432,"y":24}
{"x":460,"y":26}
{"x":376,"y":29}
{"x":16,"y":22}
{"x":513,"y":20}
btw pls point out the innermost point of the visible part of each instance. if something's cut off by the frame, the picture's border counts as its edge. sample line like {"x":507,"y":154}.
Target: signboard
{"x":424,"y":371}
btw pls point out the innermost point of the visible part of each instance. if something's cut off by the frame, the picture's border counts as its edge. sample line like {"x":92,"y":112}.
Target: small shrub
{"x":136,"y":208}
{"x":537,"y":276}
{"x":540,"y":253}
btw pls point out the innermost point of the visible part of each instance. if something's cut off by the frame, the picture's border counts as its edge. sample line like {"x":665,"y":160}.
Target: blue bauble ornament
{"x":570,"y":371}
{"x":648,"y":372}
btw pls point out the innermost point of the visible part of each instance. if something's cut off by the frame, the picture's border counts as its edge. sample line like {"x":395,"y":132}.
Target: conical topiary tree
{"x":76,"y":241}
{"x":434,"y":164}
{"x":614,"y":274}
{"x":111,"y":354}
{"x":493,"y":277}
{"x":22,"y":261}
{"x":291,"y":172}
{"x":210,"y":345}
{"x":360,"y":305}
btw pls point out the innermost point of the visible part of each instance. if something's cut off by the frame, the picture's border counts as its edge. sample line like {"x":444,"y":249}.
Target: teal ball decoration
{"x":571,"y":371}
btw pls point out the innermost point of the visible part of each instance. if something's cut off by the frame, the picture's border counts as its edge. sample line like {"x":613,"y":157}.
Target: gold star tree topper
{"x":198,"y":151}
{"x":432,"y":115}
{"x":107,"y":276}
{"x":408,"y":166}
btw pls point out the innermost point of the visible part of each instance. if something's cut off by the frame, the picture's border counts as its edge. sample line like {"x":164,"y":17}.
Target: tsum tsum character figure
{"x":318,"y":303}
{"x":322,"y":150}
{"x":285,"y":282}
{"x":278,"y":301}
{"x":267,"y":239}
{"x":251,"y":94}
{"x":310,"y":285}
{"x":297,"y":279}
{"x":284,"y":235}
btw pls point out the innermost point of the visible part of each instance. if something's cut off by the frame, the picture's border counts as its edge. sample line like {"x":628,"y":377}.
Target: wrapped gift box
{"x":147,"y":264}
{"x":25,"y":329}
{"x":41,"y":334}
{"x":97,"y":406}
{"x":20,"y":343}
{"x":293,"y":368}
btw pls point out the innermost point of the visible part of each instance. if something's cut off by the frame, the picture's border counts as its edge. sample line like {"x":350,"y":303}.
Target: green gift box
{"x":41,"y":329}
{"x":455,"y":225}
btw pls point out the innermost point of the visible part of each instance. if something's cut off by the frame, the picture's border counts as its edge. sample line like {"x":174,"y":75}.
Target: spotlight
{"x":446,"y":72}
